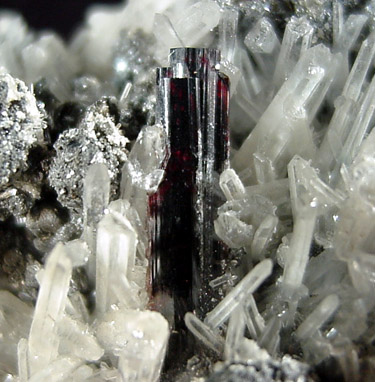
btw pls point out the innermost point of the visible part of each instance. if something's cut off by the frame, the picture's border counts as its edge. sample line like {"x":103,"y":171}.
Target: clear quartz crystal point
{"x":350,"y":31}
{"x":238,"y":294}
{"x":358,"y":130}
{"x":139,"y":339}
{"x":95,"y":200}
{"x":228,"y":33}
{"x":347,"y":107}
{"x":235,"y":333}
{"x":304,"y":206}
{"x":297,"y":39}
{"x":318,"y":317}
{"x":15,"y":321}
{"x":231,"y":185}
{"x":286,"y":122}
{"x":58,"y":370}
{"x":270,"y":338}
{"x":196,"y":22}
{"x":205,"y":334}
{"x":123,"y":212}
{"x":263,"y":236}
{"x":76,"y":340}
{"x":253,"y":319}
{"x":143,"y":170}
{"x":142,"y":174}
{"x":115,"y":255}
{"x":232,"y":231}
{"x":53,"y":293}
{"x":264,"y":45}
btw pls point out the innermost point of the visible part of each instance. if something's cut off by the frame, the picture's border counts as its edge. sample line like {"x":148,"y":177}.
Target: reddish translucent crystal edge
{"x":184,"y":254}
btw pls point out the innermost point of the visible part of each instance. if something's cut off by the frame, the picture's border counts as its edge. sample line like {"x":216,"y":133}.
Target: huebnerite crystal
{"x":184,"y":255}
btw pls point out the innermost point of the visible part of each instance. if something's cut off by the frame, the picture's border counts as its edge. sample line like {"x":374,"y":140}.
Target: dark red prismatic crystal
{"x":185,"y":254}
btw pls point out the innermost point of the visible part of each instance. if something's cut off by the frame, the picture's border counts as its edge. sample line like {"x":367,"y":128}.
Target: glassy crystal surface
{"x":193,"y":99}
{"x":43,"y":340}
{"x":140,"y":340}
{"x":115,"y":256}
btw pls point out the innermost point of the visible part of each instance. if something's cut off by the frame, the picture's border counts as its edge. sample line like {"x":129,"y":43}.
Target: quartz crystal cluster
{"x":127,"y":215}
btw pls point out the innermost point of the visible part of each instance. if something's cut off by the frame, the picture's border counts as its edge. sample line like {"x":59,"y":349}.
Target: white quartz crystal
{"x":228,"y":33}
{"x":264,"y":45}
{"x":76,"y":340}
{"x":139,"y":338}
{"x":235,"y":333}
{"x":57,"y":371}
{"x":196,"y":21}
{"x":143,"y":172}
{"x":204,"y":333}
{"x":305,"y":214}
{"x":231,"y":185}
{"x":115,"y":256}
{"x":263,"y":236}
{"x":143,"y":168}
{"x":78,"y":252}
{"x":268,"y":149}
{"x":316,"y":319}
{"x":242,"y":290}
{"x":331,"y":152}
{"x":95,"y":200}
{"x":270,"y":338}
{"x":43,"y":339}
{"x":15,"y":321}
{"x":296,"y":40}
{"x":253,"y":319}
{"x":232,"y":231}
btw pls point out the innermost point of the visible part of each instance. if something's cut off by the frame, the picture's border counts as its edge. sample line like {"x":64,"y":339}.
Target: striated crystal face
{"x":184,"y":254}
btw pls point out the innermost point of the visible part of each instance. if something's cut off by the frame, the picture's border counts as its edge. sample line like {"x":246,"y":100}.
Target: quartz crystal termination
{"x":184,"y":253}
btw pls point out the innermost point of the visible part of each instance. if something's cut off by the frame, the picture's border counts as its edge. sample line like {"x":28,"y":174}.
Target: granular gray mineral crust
{"x":22,"y":121}
{"x":96,"y":139}
{"x":21,"y":126}
{"x":285,"y":370}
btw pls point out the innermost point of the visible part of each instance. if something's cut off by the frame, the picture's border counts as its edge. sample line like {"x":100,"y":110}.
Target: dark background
{"x":63,"y":16}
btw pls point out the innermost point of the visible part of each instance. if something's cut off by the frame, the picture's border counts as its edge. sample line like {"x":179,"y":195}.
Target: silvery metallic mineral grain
{"x":21,"y":128}
{"x":97,"y":139}
{"x":270,"y":370}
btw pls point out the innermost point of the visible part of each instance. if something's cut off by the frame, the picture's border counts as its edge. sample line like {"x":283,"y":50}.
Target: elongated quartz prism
{"x":184,"y":254}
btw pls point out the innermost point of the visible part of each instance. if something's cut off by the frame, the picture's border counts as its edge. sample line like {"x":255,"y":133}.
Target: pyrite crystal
{"x":185,"y":254}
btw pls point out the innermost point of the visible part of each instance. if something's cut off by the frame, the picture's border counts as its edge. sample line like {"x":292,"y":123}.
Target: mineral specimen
{"x":261,"y":260}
